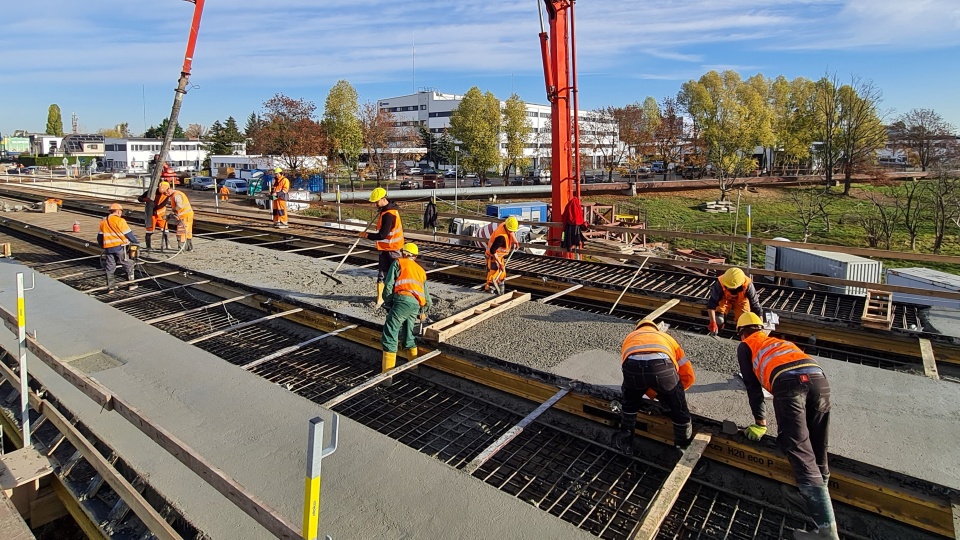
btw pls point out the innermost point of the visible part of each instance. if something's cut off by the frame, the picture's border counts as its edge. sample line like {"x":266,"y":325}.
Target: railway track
{"x":557,"y":464}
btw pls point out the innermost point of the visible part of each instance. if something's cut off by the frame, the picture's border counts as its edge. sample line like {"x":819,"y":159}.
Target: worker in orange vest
{"x":732,"y":290}
{"x":801,"y":404}
{"x":278,"y":194}
{"x":115,"y":237}
{"x":224,"y":192}
{"x":158,"y":219}
{"x":501,"y":243}
{"x":388,"y":237}
{"x":180,"y":205}
{"x":407,"y":299}
{"x":653,"y":363}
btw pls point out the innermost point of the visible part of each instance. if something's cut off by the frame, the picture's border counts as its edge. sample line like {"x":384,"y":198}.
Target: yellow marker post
{"x":311,"y":491}
{"x":22,"y":344}
{"x":749,"y":245}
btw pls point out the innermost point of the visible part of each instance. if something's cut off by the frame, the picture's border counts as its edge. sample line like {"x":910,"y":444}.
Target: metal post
{"x":22,"y":344}
{"x":456,"y":177}
{"x":339,"y":218}
{"x":749,"y":245}
{"x":315,"y":455}
{"x":216,"y":194}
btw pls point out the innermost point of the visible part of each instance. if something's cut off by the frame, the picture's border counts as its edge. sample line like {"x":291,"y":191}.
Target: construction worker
{"x":180,"y":205}
{"x":653,"y":363}
{"x":407,"y":299}
{"x":278,"y":196}
{"x":733,"y":289}
{"x":501,"y":243}
{"x":158,"y":219}
{"x":801,"y":403}
{"x":224,"y":192}
{"x":388,"y":237}
{"x":115,"y":237}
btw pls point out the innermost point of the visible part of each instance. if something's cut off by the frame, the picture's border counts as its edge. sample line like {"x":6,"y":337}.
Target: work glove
{"x":712,"y":327}
{"x":363,"y":234}
{"x":423,"y":316}
{"x":755,"y":432}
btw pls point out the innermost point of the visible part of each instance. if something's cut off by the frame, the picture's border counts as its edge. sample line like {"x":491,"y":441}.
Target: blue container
{"x":316,"y":183}
{"x":523,"y":211}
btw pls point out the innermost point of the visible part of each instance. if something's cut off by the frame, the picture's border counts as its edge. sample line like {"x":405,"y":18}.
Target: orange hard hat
{"x":115,"y":206}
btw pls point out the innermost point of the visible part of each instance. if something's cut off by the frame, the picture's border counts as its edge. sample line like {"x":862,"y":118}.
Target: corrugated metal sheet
{"x":831,"y":264}
{"x":924,"y":278}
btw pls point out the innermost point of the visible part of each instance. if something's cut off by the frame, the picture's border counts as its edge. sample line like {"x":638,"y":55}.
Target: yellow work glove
{"x":755,"y":432}
{"x":423,"y":316}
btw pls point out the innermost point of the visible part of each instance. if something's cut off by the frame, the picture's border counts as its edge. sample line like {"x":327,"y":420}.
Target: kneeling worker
{"x":501,"y":243}
{"x":115,"y":237}
{"x":653,"y":360}
{"x":406,"y":299}
{"x":734,"y":290}
{"x":801,"y":403}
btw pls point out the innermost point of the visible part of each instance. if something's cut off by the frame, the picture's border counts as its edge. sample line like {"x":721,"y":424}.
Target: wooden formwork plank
{"x":670,"y":490}
{"x":929,"y":361}
{"x":453,"y":325}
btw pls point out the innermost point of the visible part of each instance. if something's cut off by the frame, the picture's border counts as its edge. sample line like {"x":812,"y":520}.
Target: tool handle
{"x":353,"y":247}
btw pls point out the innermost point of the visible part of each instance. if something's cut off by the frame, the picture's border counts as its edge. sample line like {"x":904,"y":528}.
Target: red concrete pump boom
{"x":559,"y":71}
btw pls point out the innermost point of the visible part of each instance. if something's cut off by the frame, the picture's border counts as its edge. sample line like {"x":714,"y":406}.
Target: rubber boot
{"x":792,"y":495}
{"x":379,"y":298}
{"x":111,"y":283}
{"x":133,"y":286}
{"x":149,"y":241}
{"x":165,"y":241}
{"x":623,"y":438}
{"x":412,"y":353}
{"x":189,"y":244}
{"x":820,"y":508}
{"x":179,"y":245}
{"x":388,"y":362}
{"x":682,"y":434}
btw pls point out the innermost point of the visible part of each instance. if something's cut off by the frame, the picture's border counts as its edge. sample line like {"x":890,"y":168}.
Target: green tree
{"x":342,"y":123}
{"x":794,"y":121}
{"x":476,"y":124}
{"x":289,"y":131}
{"x":159,"y":132}
{"x":827,"y":109}
{"x":861,"y":130}
{"x":54,"y":121}
{"x":516,"y":127}
{"x":217,"y":144}
{"x":254,"y":123}
{"x":921,"y":132}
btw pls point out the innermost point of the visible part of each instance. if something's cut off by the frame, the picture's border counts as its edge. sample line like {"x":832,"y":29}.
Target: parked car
{"x":411,"y":170}
{"x":453,"y":173}
{"x":205,"y":183}
{"x":236,"y":186}
{"x":426,"y":169}
{"x":409,"y":184}
{"x":476,"y":182}
{"x":433,"y":182}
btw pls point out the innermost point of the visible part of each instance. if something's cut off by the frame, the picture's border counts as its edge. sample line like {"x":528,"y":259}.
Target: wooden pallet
{"x":877,"y":310}
{"x":444,"y":329}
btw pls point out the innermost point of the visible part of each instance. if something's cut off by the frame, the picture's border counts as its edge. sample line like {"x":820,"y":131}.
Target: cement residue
{"x":298,"y":277}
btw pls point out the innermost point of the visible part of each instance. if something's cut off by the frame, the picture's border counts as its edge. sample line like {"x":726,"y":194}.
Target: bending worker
{"x":158,"y":219}
{"x":278,"y":198}
{"x":388,"y":237}
{"x":653,"y":361}
{"x":501,"y":242}
{"x":407,"y":300}
{"x":180,"y":205}
{"x":801,"y":403}
{"x":115,"y":237}
{"x":734,"y":290}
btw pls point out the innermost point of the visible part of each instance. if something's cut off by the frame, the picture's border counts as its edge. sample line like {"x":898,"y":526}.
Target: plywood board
{"x":453,"y":325}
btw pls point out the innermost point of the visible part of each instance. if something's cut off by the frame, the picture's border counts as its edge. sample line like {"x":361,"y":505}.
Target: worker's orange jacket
{"x":646,"y":340}
{"x":180,"y":204}
{"x":394,"y":239}
{"x":508,"y":238}
{"x":410,"y":281}
{"x":281,"y":186}
{"x":773,"y":356}
{"x":739,"y":302}
{"x":114,"y":230}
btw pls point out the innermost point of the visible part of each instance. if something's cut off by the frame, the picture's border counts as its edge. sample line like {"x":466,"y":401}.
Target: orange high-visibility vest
{"x":114,"y":230}
{"x":734,"y":298}
{"x":180,"y":204}
{"x":394,"y":239}
{"x":281,"y":184}
{"x":410,"y":281}
{"x":773,"y":356}
{"x":646,"y":340}
{"x":508,"y":241}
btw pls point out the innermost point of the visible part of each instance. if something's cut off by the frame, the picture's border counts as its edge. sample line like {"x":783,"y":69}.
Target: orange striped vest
{"x":114,"y":230}
{"x":773,"y":356}
{"x":394,"y":239}
{"x":410,"y":281}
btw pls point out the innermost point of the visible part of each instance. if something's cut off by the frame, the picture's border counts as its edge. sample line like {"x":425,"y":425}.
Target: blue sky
{"x":112,"y":61}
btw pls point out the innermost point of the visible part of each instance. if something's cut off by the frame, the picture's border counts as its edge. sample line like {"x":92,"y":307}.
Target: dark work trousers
{"x":661,"y":376}
{"x":383,"y":264}
{"x":801,"y":403}
{"x":111,"y":260}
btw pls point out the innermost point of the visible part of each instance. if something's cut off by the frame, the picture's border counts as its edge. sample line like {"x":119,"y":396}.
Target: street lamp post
{"x":456,"y":176}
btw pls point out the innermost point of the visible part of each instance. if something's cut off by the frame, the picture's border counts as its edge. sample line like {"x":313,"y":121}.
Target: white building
{"x":432,"y":109}
{"x":135,"y":154}
{"x":244,"y":165}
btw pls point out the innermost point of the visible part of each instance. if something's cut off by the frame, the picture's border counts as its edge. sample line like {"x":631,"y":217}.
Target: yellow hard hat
{"x":115,"y":207}
{"x":163,"y":186}
{"x":377,"y":194}
{"x":648,"y":322}
{"x":749,"y":319}
{"x":512,"y":224}
{"x":411,"y":248}
{"x":733,"y":278}
{"x":278,"y":170}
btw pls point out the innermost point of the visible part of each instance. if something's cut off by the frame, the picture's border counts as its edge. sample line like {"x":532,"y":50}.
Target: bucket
{"x":76,"y":226}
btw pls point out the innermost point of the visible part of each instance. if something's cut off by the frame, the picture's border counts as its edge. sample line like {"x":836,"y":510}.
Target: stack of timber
{"x":719,"y":207}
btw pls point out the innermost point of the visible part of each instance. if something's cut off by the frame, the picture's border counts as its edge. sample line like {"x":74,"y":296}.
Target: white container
{"x":924,"y":278}
{"x":829,"y":264}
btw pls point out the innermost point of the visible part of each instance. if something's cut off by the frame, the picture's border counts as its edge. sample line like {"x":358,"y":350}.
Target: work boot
{"x":179,"y":245}
{"x":682,"y":434}
{"x":149,"y":242}
{"x":829,"y":532}
{"x":412,"y":353}
{"x":111,"y":283}
{"x":165,"y":242}
{"x":792,"y":495}
{"x":133,"y":286}
{"x":388,"y":362}
{"x":189,"y":244}
{"x":379,"y":298}
{"x":820,"y":508}
{"x":623,"y":438}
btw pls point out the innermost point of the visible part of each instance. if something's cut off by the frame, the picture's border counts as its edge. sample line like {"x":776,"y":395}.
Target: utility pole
{"x":175,"y":111}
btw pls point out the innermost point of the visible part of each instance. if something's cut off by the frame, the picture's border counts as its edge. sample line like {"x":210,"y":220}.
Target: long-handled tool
{"x":635,"y":274}
{"x":354,"y":246}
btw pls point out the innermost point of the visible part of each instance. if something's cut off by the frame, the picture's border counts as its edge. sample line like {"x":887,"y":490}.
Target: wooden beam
{"x":561,"y":293}
{"x":929,"y":361}
{"x":955,"y":508}
{"x":662,"y":309}
{"x":331,"y":403}
{"x":244,"y":325}
{"x":670,"y":490}
{"x":169,"y":316}
{"x":453,"y":325}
